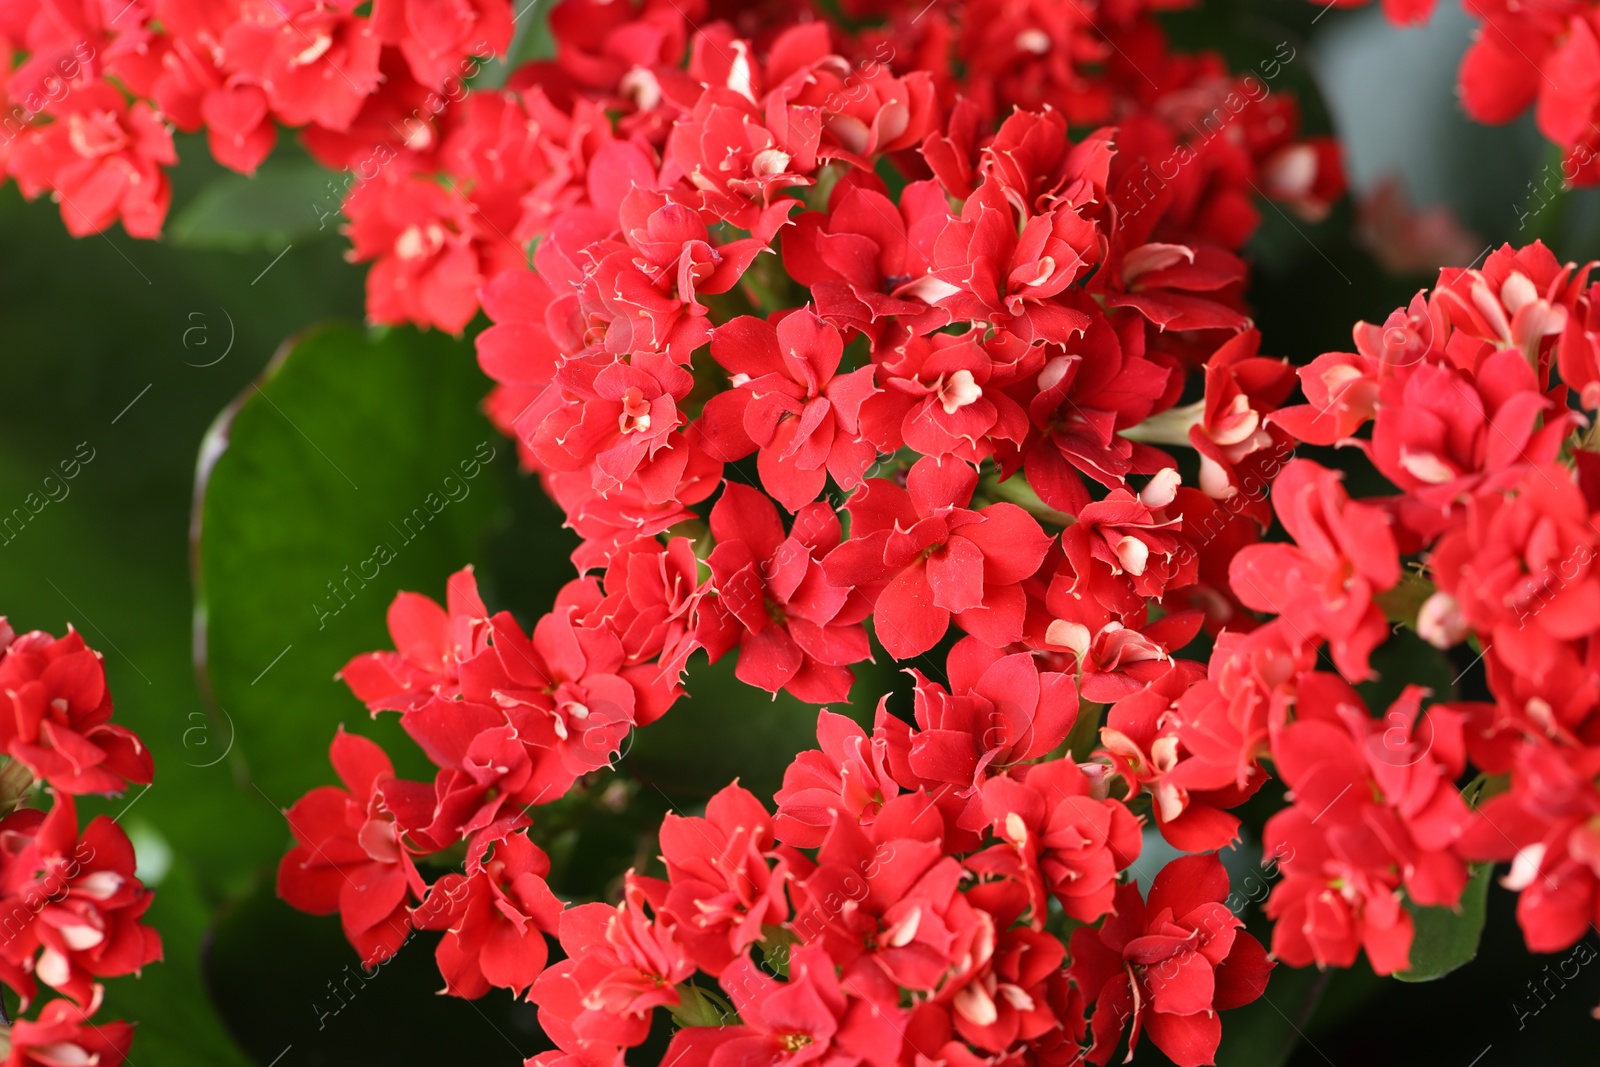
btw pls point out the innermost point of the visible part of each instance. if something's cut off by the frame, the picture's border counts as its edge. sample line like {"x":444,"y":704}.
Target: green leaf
{"x":1447,"y":938}
{"x":530,"y":43}
{"x":356,"y":468}
{"x":281,"y":204}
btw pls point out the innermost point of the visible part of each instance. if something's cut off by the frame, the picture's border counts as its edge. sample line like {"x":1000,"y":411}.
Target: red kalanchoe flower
{"x":645,"y":294}
{"x":1548,"y":825}
{"x":864,"y":259}
{"x":986,"y":271}
{"x":790,"y":401}
{"x":564,"y":697}
{"x":999,"y":711}
{"x":909,"y":927}
{"x":102,"y":159}
{"x":349,"y":857}
{"x":194,"y":91}
{"x":317,"y":61}
{"x":794,"y":629}
{"x":942,"y":396}
{"x":435,"y":38}
{"x":605,"y":523}
{"x":1083,"y":396}
{"x":723,"y":888}
{"x":520,"y":351}
{"x":738,"y":155}
{"x":846,"y":777}
{"x":1015,"y":995}
{"x":865,"y":109}
{"x":1375,"y":807}
{"x":622,"y":963}
{"x":1520,"y":571}
{"x":1229,"y":428}
{"x":1169,"y":964}
{"x":1342,"y":387}
{"x":65,"y":1035}
{"x":1174,"y":286}
{"x":1520,"y":298}
{"x":430,"y":644}
{"x":55,"y":713}
{"x":81,"y":899}
{"x":486,"y":768}
{"x":495,"y":917}
{"x":432,"y":251}
{"x":925,"y":557}
{"x":1579,"y":351}
{"x":811,"y":1018}
{"x":1059,"y":837}
{"x":648,"y":597}
{"x":614,"y":420}
{"x":1146,"y":737}
{"x":1226,"y":718}
{"x":1323,"y":584}
{"x":1125,"y":548}
{"x":1443,"y":436}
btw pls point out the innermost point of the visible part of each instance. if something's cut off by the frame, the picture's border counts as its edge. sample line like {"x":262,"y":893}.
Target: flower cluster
{"x":70,"y":902}
{"x":920,"y":295}
{"x":953,"y":339}
{"x":92,"y":90}
{"x":746,"y":122}
{"x":1543,"y":56}
{"x":448,"y":187}
{"x":827,"y":350}
{"x":1497,"y":495}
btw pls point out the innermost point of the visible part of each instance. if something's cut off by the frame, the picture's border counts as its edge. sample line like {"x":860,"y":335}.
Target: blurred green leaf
{"x":282,"y":203}
{"x":1447,"y":938}
{"x":531,"y":42}
{"x":356,"y":468}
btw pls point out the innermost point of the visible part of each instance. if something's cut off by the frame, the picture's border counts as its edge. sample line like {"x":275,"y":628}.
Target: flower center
{"x":957,"y":391}
{"x":635,"y":417}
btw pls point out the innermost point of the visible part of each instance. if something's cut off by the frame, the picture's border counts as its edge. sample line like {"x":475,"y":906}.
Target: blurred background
{"x":129,"y":352}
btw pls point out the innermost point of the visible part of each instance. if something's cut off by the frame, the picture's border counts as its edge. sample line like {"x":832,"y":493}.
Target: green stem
{"x":1085,"y":735}
{"x":1170,"y":427}
{"x":1016,"y":490}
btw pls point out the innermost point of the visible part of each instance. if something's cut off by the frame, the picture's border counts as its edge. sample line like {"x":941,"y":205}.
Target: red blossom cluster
{"x":664,"y":145}
{"x":826,"y":349}
{"x":821,"y":348}
{"x":1545,"y":56}
{"x":70,"y":902}
{"x":449,"y":187}
{"x":92,"y":89}
{"x":1473,"y":394}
